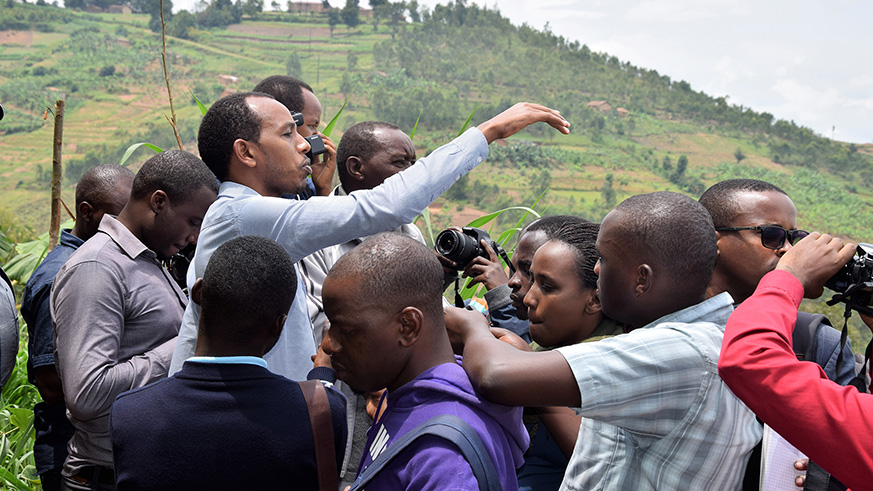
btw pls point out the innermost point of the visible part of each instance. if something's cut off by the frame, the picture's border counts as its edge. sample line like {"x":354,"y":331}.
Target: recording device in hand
{"x":465,"y":245}
{"x":178,"y":264}
{"x":854,"y":282}
{"x":316,"y":144}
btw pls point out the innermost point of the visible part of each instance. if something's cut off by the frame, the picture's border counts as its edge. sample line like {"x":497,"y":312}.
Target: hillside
{"x":634,"y":130}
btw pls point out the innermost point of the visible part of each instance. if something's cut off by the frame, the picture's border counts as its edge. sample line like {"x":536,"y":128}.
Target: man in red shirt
{"x":831,"y":424}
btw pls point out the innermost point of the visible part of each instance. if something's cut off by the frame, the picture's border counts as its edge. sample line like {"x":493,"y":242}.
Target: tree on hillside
{"x":351,"y":14}
{"x":333,"y":19}
{"x":681,"y":165}
{"x":378,"y":13}
{"x":414,"y":13}
{"x":153,"y":8}
{"x":252,"y":8}
{"x":739,"y":155}
{"x":393,"y":13}
{"x":667,"y":164}
{"x":607,"y":193}
{"x":293,"y":68}
{"x":181,"y":24}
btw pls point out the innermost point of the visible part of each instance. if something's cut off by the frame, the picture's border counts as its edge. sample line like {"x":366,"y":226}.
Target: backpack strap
{"x":803,"y":339}
{"x":322,"y":433}
{"x":447,"y":427}
{"x":6,"y":280}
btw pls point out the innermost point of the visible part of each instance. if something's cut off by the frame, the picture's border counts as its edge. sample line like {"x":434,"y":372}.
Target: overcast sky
{"x":810,"y":61}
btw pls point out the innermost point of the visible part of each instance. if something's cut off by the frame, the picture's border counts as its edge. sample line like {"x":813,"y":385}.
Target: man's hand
{"x":801,"y":465}
{"x":814,"y":260}
{"x":320,"y":358}
{"x":323,"y":167}
{"x":520,"y":116}
{"x":461,"y":323}
{"x":510,"y":338}
{"x":489,"y":272}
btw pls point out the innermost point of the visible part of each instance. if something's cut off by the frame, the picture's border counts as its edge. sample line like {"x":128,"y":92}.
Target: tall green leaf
{"x":412,"y":134}
{"x":469,"y":118}
{"x":329,"y":129}
{"x":28,"y":255}
{"x":203,"y":108}
{"x":133,"y":148}
{"x":425,"y":214}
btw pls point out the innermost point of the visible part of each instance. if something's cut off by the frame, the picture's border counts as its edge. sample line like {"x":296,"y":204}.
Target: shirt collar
{"x":716,"y":309}
{"x":230,"y":360}
{"x":233,"y":189}
{"x":70,"y":240}
{"x":125,"y":239}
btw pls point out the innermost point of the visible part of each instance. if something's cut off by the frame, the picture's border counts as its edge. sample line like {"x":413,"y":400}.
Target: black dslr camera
{"x":464,"y":246}
{"x":854,"y":283}
{"x":316,"y":144}
{"x":178,"y":265}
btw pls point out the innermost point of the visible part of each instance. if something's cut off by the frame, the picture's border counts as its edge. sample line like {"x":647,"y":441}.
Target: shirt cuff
{"x":325,"y":374}
{"x":498,"y":297}
{"x":784,"y":281}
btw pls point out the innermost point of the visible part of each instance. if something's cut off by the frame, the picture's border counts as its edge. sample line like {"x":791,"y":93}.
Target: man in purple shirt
{"x":117,"y":311}
{"x":384,"y":303}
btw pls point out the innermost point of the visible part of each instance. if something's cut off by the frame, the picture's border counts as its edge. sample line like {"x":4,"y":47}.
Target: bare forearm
{"x":509,"y":376}
{"x":563,"y":424}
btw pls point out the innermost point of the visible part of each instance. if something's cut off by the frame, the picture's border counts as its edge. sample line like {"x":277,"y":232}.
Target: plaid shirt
{"x":656,"y":415}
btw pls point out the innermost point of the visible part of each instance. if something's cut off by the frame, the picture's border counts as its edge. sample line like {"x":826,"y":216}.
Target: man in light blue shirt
{"x":655,"y":414}
{"x":250,"y":143}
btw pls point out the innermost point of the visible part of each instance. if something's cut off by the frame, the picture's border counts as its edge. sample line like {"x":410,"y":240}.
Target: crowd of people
{"x":311,"y":346}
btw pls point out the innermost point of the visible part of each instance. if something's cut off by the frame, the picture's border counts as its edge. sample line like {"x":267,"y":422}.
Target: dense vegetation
{"x":634,"y":130}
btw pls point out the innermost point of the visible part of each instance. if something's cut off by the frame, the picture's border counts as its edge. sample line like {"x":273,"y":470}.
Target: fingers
{"x":519,"y":117}
{"x":490,"y":251}
{"x":815,"y":259}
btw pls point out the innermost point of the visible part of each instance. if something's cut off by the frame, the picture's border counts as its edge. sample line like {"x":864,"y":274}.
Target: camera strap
{"x":459,"y":302}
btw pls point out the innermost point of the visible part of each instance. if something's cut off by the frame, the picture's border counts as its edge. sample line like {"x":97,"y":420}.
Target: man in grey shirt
{"x":250,"y":143}
{"x":116,"y":310}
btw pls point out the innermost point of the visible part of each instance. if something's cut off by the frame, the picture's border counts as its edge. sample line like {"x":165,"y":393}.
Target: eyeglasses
{"x":772,"y":236}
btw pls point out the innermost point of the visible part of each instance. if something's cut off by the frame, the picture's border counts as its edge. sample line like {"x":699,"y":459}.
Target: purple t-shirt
{"x":431,"y":462}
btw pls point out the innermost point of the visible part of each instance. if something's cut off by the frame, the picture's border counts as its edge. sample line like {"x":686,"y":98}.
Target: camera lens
{"x":456,"y":246}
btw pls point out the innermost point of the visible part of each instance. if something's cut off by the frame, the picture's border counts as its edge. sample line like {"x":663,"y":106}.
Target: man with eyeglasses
{"x":755,"y":224}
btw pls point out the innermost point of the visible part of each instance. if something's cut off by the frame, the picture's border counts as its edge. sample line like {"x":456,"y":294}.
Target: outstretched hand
{"x":814,"y":260}
{"x":520,"y":116}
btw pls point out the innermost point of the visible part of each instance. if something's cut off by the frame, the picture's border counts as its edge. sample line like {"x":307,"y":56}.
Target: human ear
{"x":158,"y":201}
{"x":410,"y":320}
{"x":85,"y":211}
{"x":355,"y":168}
{"x":276,"y":329}
{"x":593,"y":305}
{"x":645,"y":278}
{"x":197,"y":291}
{"x":243,"y":151}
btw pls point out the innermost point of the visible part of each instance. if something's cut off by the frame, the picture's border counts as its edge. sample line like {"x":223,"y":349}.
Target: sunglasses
{"x":772,"y":236}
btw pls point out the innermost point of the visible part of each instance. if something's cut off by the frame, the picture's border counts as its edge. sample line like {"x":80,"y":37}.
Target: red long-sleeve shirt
{"x":831,"y":424}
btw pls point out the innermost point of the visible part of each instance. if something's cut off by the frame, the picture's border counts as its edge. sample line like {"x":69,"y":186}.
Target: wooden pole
{"x":172,"y":119}
{"x":57,"y":174}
